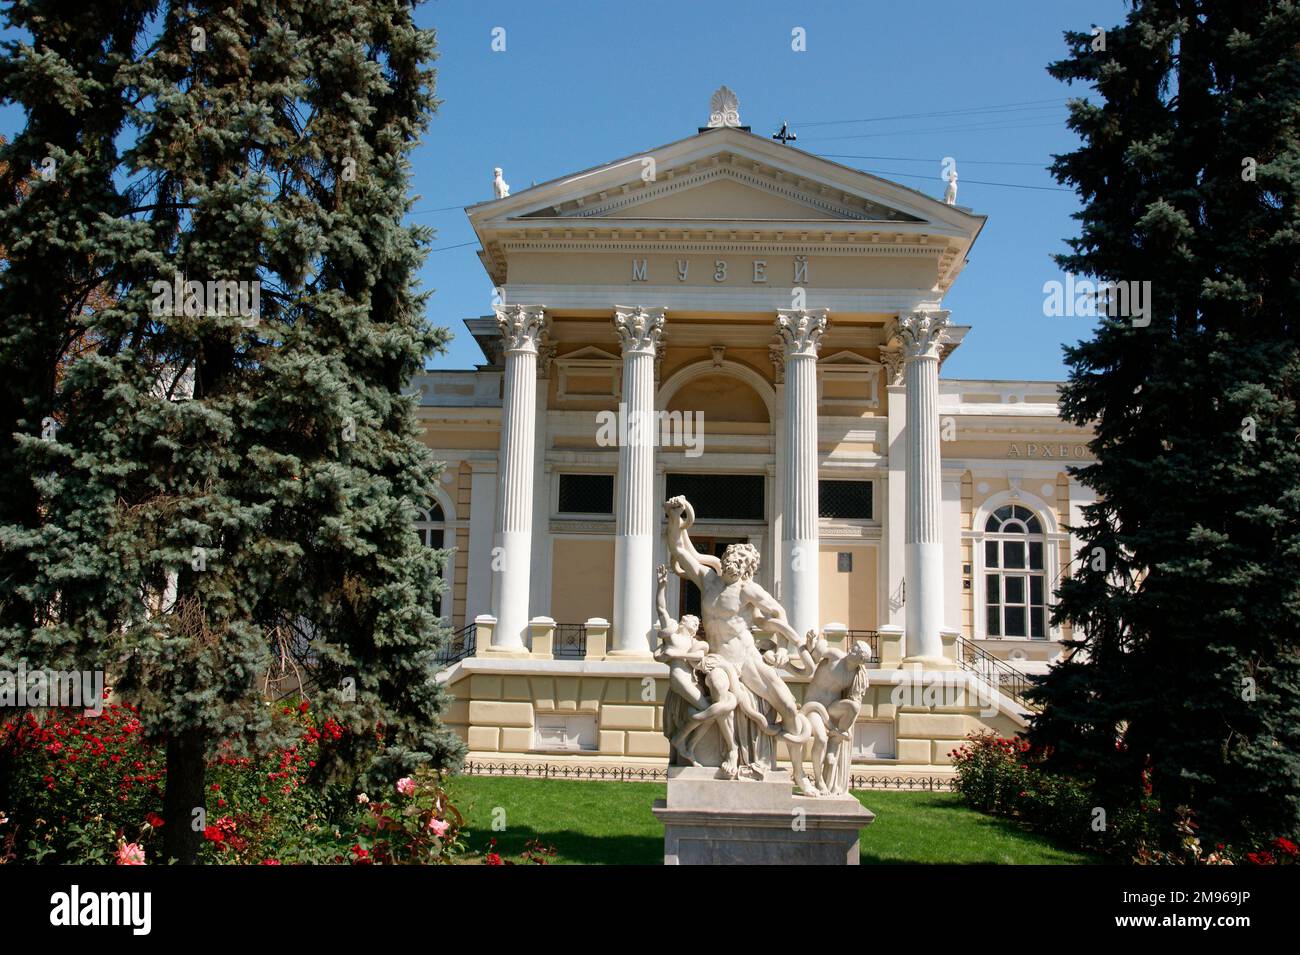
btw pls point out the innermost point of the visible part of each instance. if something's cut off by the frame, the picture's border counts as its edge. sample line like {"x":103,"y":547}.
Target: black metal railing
{"x":461,"y":645}
{"x":570,"y":641}
{"x":997,"y":673}
{"x":659,"y":774}
{"x":870,"y":637}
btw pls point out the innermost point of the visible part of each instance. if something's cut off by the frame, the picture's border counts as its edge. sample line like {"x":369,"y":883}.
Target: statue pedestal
{"x":713,"y":821}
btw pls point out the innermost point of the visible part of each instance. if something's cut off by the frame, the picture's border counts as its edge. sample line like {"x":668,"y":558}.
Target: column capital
{"x":800,"y":330}
{"x":522,"y":327}
{"x":639,"y":329}
{"x":891,"y":356}
{"x":919,"y":333}
{"x":776,"y":355}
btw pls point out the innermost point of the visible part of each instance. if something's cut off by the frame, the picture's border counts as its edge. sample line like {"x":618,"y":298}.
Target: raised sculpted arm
{"x":685,"y":559}
{"x":666,"y":623}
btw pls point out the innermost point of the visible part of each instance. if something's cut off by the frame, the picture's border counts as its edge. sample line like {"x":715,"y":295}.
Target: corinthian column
{"x":638,"y":330}
{"x":920,"y":335}
{"x":522,"y":326}
{"x":800,"y":332}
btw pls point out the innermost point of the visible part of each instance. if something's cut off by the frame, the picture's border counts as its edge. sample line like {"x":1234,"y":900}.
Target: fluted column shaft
{"x":920,"y":335}
{"x":521,"y":328}
{"x":638,"y":331}
{"x":800,"y":332}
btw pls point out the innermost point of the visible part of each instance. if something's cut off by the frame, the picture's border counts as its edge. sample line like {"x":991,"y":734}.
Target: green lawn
{"x":598,"y":823}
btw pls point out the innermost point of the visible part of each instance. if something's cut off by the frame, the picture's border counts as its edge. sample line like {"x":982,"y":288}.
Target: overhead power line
{"x":1028,"y":105}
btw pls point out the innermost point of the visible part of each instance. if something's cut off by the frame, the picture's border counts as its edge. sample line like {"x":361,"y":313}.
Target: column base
{"x":636,"y":655}
{"x":929,"y":663}
{"x":506,"y":653}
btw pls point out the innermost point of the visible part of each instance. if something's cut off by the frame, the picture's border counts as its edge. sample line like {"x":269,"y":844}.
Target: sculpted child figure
{"x":832,"y":702}
{"x":683,"y":652}
{"x":730,"y":600}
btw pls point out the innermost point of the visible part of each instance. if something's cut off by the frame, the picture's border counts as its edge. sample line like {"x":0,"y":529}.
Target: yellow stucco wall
{"x":849,"y":598}
{"x":581,"y":579}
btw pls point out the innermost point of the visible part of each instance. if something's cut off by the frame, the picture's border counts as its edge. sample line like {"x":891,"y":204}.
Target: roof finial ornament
{"x":786,"y":134}
{"x":724,"y":109}
{"x":499,"y":186}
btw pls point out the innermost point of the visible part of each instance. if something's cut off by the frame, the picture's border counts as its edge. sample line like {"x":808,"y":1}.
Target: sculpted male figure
{"x":729,"y":599}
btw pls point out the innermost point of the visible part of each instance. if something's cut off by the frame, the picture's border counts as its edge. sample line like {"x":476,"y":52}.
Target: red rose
{"x":213,"y":834}
{"x":492,"y":859}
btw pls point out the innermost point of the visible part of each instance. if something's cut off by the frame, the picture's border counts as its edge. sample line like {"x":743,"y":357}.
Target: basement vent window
{"x":572,"y":732}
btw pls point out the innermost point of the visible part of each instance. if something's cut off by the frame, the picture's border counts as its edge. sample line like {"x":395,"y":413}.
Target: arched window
{"x":1015,"y":578}
{"x":432,"y":527}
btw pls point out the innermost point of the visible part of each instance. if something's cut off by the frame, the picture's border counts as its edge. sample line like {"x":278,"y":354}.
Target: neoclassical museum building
{"x":762,"y":331}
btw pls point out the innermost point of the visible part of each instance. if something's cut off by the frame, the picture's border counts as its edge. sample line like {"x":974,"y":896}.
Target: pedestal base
{"x":713,"y":821}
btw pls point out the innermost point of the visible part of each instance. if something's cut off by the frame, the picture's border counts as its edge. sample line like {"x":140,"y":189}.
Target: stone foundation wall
{"x":495,"y":712}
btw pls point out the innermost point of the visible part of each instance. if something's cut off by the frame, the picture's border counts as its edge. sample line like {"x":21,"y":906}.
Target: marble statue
{"x":736,"y":687}
{"x":499,"y":187}
{"x":832,"y":703}
{"x":950,"y":193}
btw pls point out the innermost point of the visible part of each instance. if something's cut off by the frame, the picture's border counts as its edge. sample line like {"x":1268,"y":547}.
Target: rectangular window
{"x":991,"y":553}
{"x":586,"y":494}
{"x":995,"y":621}
{"x":844,"y":500}
{"x":1013,"y":554}
{"x":1036,"y":555}
{"x":719,"y":497}
{"x":1015,"y":617}
{"x":1015,"y":590}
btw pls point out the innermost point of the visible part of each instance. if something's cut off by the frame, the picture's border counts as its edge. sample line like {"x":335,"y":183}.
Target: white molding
{"x":705,"y":367}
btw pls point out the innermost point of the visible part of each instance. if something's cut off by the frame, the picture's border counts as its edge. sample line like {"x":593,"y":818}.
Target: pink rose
{"x":130,"y":853}
{"x":439,"y":827}
{"x":406,"y":786}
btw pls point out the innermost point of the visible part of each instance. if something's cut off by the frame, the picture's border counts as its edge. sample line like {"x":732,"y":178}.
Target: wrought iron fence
{"x":870,"y":637}
{"x":997,"y":673}
{"x":639,"y":774}
{"x":659,"y":774}
{"x":570,"y":641}
{"x":460,"y":646}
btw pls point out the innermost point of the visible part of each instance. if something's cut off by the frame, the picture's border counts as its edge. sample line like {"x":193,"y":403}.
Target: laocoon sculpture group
{"x":728,"y":703}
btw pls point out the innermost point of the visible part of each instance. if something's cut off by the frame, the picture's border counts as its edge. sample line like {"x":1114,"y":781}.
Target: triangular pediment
{"x":729,"y":186}
{"x":589,"y":353}
{"x":726,"y":188}
{"x":723,"y":175}
{"x":848,"y":359}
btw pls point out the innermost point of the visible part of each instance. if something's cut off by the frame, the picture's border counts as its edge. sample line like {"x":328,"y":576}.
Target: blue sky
{"x":583,"y":82}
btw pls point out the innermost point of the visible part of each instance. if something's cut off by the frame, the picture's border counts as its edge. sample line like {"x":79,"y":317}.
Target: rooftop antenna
{"x":786,"y":136}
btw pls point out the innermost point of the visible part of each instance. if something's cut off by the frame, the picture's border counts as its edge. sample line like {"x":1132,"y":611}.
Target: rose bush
{"x":89,"y":790}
